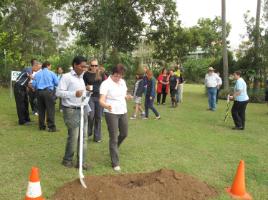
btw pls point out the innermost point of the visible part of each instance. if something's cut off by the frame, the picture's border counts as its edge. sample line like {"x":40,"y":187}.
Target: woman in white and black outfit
{"x":93,"y":79}
{"x":113,"y":94}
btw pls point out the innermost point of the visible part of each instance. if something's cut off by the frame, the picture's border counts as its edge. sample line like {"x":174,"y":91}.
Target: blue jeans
{"x":212,"y":93}
{"x":72,"y":121}
{"x":149,"y":103}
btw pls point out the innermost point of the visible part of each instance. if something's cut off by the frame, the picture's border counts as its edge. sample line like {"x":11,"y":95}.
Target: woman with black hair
{"x":162,"y":86}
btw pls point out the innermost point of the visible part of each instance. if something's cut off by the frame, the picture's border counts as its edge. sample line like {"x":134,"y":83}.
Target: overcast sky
{"x":191,"y":10}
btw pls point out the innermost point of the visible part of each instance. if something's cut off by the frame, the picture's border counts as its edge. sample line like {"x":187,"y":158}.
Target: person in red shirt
{"x":162,"y":86}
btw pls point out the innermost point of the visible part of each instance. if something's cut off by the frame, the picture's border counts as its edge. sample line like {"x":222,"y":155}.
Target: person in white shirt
{"x":212,"y":81}
{"x":70,"y":90}
{"x":219,"y":87}
{"x":113,"y":95}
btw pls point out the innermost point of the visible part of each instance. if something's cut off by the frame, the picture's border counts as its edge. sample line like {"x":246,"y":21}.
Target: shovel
{"x":85,"y":99}
{"x":227,"y":108}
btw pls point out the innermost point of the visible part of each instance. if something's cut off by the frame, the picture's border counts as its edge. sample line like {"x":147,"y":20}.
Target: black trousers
{"x":94,"y":118}
{"x":46,"y":105}
{"x":22,"y":103}
{"x":238,"y":113}
{"x":163,"y":97}
{"x":33,"y":100}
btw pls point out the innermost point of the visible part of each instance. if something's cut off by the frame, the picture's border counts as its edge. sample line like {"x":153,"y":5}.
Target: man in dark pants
{"x":44,"y":83}
{"x":31,"y":92}
{"x":71,"y":89}
{"x":21,"y":97}
{"x":240,"y":102}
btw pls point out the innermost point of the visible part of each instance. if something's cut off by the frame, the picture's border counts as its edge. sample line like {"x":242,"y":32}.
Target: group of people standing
{"x":108,"y":96}
{"x":168,"y":81}
{"x":36,"y":83}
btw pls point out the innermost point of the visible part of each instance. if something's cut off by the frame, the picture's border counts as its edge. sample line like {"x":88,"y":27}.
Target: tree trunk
{"x":224,"y":49}
{"x":256,"y":84}
{"x":258,"y":16}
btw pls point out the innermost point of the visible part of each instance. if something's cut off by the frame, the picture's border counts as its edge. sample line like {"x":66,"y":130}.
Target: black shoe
{"x":42,"y":128}
{"x":68,"y":164}
{"x":85,"y":166}
{"x":238,"y":128}
{"x":27,"y":124}
{"x":52,"y":130}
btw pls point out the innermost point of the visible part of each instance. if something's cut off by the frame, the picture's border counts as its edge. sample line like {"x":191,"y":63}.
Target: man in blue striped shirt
{"x":20,"y":93}
{"x":44,"y":83}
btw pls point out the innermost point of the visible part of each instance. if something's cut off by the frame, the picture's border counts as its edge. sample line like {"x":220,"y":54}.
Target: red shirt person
{"x":162,"y":86}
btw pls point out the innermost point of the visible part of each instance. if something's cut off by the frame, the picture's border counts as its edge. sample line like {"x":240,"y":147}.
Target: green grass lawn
{"x":188,"y":139}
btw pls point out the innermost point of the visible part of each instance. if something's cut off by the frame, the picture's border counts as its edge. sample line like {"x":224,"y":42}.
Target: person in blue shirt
{"x":59,"y":75}
{"x":20,"y":92}
{"x":44,"y":83}
{"x":241,"y":99}
{"x":150,"y":95}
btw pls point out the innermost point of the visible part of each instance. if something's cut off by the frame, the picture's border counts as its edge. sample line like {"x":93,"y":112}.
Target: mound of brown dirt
{"x":160,"y":185}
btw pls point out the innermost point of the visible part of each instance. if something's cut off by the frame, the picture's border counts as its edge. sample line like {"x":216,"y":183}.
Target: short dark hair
{"x":118,"y":69}
{"x":45,"y":64}
{"x":238,"y":72}
{"x":78,"y":60}
{"x":33,"y":60}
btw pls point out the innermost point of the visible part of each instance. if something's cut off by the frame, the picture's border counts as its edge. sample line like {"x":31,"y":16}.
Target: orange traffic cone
{"x":238,"y":189}
{"x":34,"y":188}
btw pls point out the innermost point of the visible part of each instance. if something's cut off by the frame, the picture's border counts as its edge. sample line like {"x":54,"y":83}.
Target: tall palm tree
{"x":256,"y":84}
{"x":224,"y":49}
{"x":257,"y":26}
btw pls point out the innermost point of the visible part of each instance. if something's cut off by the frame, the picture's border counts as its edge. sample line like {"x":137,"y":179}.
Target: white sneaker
{"x":117,"y":168}
{"x":158,"y":117}
{"x":133,"y":117}
{"x":36,"y":114}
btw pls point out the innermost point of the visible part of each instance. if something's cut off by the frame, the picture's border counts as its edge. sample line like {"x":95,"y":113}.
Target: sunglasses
{"x":94,"y":65}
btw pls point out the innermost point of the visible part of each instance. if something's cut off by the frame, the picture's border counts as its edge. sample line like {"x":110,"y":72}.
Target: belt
{"x":46,"y":89}
{"x":72,"y":107}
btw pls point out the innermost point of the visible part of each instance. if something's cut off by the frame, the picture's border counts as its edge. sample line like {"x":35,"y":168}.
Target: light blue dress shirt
{"x":45,"y":79}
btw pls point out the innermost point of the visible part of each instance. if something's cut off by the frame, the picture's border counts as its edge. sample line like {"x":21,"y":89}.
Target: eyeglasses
{"x":94,"y":65}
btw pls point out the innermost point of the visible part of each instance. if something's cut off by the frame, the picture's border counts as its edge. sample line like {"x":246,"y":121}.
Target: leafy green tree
{"x":28,"y":20}
{"x":211,"y":35}
{"x":116,"y":24}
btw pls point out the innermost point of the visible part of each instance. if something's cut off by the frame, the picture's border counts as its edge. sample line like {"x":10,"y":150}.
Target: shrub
{"x":196,"y":69}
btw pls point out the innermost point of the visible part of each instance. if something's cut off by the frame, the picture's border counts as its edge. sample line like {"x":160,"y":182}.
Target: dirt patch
{"x":160,"y":185}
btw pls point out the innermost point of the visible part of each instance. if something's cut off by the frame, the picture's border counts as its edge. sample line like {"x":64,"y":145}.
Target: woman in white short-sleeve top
{"x":113,"y":95}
